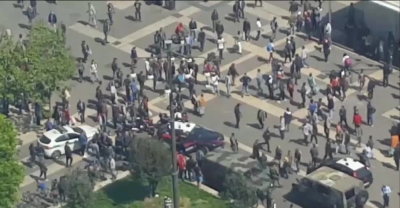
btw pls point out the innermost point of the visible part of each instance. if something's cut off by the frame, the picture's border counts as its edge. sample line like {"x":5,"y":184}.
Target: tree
{"x":11,"y":171}
{"x":50,"y":63}
{"x":79,"y":190}
{"x":13,"y":80}
{"x":237,"y":189}
{"x":150,"y":161}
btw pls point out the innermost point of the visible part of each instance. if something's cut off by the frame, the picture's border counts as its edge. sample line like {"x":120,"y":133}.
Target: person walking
{"x":282,"y":128}
{"x":68,"y":155}
{"x":297,"y":159}
{"x":112,"y":167}
{"x":81,"y":107}
{"x":228,"y":84}
{"x":328,"y":150}
{"x":370,"y":114}
{"x":92,"y":15}
{"x":214,"y":19}
{"x":83,"y":140}
{"x":288,"y":118}
{"x":93,"y":72}
{"x":261,"y":116}
{"x":386,"y":191}
{"x":43,"y":171}
{"x":52,"y":20}
{"x":238,"y":115}
{"x":267,"y":138}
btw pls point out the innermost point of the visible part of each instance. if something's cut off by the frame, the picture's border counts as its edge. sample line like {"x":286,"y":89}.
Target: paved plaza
{"x":126,"y":33}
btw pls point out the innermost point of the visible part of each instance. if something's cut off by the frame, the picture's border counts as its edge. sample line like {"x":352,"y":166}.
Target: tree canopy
{"x":237,"y":189}
{"x":36,"y":67}
{"x":79,"y":190}
{"x":11,"y":171}
{"x":150,"y":161}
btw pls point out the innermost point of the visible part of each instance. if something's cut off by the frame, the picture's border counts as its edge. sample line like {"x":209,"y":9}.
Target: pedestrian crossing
{"x":393,"y":114}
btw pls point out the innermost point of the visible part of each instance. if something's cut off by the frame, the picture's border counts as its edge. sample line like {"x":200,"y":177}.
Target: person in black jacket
{"x":238,"y":115}
{"x":267,"y":138}
{"x":246,"y":30}
{"x":81,"y":107}
{"x":288,"y":51}
{"x":68,"y":155}
{"x":328,"y":150}
{"x":192,"y":28}
{"x":214,"y":19}
{"x":115,"y":114}
{"x":201,"y":37}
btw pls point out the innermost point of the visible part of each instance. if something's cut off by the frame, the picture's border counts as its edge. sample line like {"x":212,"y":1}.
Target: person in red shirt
{"x":357,"y":121}
{"x":181,"y":165}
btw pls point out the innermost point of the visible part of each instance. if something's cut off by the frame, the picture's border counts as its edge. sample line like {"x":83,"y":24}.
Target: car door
{"x":73,"y":141}
{"x":61,"y":141}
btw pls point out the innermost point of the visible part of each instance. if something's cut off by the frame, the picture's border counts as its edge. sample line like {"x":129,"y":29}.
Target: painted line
{"x":394,"y":112}
{"x":189,"y":11}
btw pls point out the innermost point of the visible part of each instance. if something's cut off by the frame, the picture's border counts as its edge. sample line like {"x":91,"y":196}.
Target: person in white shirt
{"x":238,"y":42}
{"x":147,"y":67}
{"x":112,"y":168}
{"x":259,"y":28}
{"x":304,"y":55}
{"x":93,"y":72}
{"x":215,"y":84}
{"x":228,"y":84}
{"x":92,"y":15}
{"x":221,"y":47}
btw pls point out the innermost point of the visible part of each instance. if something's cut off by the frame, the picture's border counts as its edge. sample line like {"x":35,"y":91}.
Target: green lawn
{"x":130,"y":193}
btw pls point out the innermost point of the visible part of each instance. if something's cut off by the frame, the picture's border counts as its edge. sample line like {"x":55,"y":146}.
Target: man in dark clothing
{"x":326,"y":49}
{"x":106,"y":30}
{"x":396,"y":156}
{"x":68,"y":155}
{"x":38,"y":113}
{"x":343,"y":116}
{"x":81,"y":107}
{"x":314,"y":155}
{"x":267,"y":138}
{"x":214,"y":19}
{"x":328,"y":150}
{"x":192,"y":28}
{"x":344,"y":85}
{"x":246,"y":30}
{"x":43,"y":171}
{"x":238,"y":115}
{"x":370,"y":88}
{"x":314,"y":132}
{"x":386,"y":72}
{"x":201,"y":37}
{"x":115,"y":114}
{"x":298,"y":64}
{"x":261,"y":116}
{"x":303,"y":93}
{"x":245,"y":81}
{"x":138,"y":15}
{"x":141,"y":79}
{"x":288,"y":51}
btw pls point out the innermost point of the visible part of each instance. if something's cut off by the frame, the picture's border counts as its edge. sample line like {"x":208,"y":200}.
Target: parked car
{"x":191,"y":137}
{"x":53,"y":141}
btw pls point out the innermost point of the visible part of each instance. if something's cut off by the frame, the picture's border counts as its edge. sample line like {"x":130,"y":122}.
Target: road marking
{"x":393,"y":114}
{"x":189,"y":11}
{"x":121,"y":5}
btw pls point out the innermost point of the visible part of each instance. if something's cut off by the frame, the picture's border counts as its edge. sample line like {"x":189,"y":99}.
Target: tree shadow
{"x":126,"y":191}
{"x":23,"y":124}
{"x":24,"y":26}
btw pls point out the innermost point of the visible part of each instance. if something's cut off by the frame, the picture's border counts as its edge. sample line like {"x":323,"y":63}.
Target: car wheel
{"x":56,"y":154}
{"x":205,"y":150}
{"x":362,"y":198}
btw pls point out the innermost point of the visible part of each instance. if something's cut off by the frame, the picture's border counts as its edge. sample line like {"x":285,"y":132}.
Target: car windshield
{"x":77,"y":130}
{"x":200,"y":133}
{"x":43,"y":139}
{"x":61,"y":129}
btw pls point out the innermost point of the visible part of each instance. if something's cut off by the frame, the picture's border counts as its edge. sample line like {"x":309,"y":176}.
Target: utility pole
{"x":175,"y":182}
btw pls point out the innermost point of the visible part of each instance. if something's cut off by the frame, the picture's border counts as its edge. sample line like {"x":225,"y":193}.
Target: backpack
{"x":181,"y":78}
{"x":270,"y":47}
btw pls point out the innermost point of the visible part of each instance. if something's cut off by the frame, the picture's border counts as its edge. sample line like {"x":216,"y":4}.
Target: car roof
{"x":351,"y":163}
{"x":184,"y":126}
{"x":334,"y":179}
{"x":57,"y":132}
{"x":86,"y":128}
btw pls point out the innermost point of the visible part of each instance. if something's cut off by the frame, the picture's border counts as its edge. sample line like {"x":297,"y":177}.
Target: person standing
{"x":43,"y":171}
{"x":267,"y":139}
{"x":228,"y":84}
{"x":303,"y":93}
{"x":234,"y":143}
{"x":245,"y":87}
{"x":112,"y":167}
{"x":221,"y":47}
{"x":81,"y":69}
{"x":261,"y":116}
{"x":274,"y":27}
{"x":92,"y":15}
{"x":386,"y":191}
{"x":214,"y":19}
{"x":30,"y":14}
{"x":52,"y":20}
{"x":314,"y":155}
{"x":259,"y":79}
{"x":282,"y":127}
{"x":81,"y":107}
{"x":270,"y":49}
{"x":201,"y":37}
{"x":259,"y":28}
{"x":307,"y":130}
{"x":110,"y":13}
{"x":327,"y":126}
{"x":238,"y":115}
{"x":68,"y":155}
{"x":343,"y":116}
{"x":85,"y":51}
{"x":38,"y":113}
{"x":326,"y":47}
{"x":138,"y":15}
{"x":314,"y":133}
{"x":288,"y":118}
{"x":106,"y":30}
{"x":83,"y":140}
{"x":370,"y":114}
{"x":246,"y":30}
{"x":328,"y":150}
{"x":304,"y":55}
{"x":288,"y":50}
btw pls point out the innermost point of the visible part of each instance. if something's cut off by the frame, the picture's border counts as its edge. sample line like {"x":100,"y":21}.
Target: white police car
{"x":351,"y":167}
{"x":53,"y":141}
